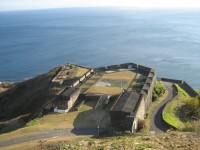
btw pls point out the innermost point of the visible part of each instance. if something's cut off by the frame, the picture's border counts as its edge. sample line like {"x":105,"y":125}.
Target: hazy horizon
{"x":9,"y":5}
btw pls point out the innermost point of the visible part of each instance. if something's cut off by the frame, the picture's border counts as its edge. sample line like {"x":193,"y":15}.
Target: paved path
{"x":157,"y":126}
{"x":52,"y":133}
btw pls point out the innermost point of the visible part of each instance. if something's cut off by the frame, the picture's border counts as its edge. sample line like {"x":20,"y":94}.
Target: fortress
{"x":127,"y":88}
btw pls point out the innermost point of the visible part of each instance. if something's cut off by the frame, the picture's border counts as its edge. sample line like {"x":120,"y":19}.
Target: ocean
{"x":34,"y":41}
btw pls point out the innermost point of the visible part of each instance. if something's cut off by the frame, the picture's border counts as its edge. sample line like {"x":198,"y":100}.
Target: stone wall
{"x":74,"y":95}
{"x":75,"y":83}
{"x":141,"y":109}
{"x":148,"y":88}
{"x":183,"y":84}
{"x":171,"y":80}
{"x":189,"y":89}
{"x":143,"y":68}
{"x":82,"y":78}
{"x":113,"y":67}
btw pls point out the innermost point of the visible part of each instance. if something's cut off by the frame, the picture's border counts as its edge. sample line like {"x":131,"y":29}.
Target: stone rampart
{"x":189,"y":89}
{"x":172,"y":80}
{"x":143,"y":68}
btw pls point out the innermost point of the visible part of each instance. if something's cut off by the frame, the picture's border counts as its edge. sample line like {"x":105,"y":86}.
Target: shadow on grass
{"x":181,"y":113}
{"x":90,"y":121}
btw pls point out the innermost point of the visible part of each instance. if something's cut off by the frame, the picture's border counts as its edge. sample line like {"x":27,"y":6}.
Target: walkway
{"x":157,"y":125}
{"x":52,"y":133}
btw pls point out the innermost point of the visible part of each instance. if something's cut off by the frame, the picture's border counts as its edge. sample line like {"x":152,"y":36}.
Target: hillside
{"x":25,"y":100}
{"x":167,"y":141}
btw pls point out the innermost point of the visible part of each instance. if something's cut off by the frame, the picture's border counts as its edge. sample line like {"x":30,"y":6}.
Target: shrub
{"x":54,"y":71}
{"x":192,"y":107}
{"x":159,"y":90}
{"x":71,"y":66}
{"x":33,"y":122}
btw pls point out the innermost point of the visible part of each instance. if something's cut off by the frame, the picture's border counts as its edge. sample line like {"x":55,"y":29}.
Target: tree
{"x":193,"y":107}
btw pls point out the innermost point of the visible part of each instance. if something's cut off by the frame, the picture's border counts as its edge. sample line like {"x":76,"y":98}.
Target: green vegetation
{"x":192,"y":107}
{"x":171,"y":113}
{"x":180,"y":111}
{"x":159,"y":90}
{"x":198,"y":91}
{"x":33,"y":122}
{"x":54,"y":71}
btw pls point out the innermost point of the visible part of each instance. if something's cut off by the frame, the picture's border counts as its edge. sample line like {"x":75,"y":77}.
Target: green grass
{"x":33,"y":122}
{"x":198,"y":91}
{"x":159,"y":90}
{"x":85,"y":86}
{"x":172,"y":113}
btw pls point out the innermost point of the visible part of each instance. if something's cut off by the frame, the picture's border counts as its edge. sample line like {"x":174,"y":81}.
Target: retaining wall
{"x":171,"y":80}
{"x":183,"y":84}
{"x":189,"y":89}
{"x":143,"y":68}
{"x":125,"y":66}
{"x":113,"y":67}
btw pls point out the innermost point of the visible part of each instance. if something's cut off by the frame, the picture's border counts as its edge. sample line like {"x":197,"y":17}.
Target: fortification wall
{"x":113,"y":67}
{"x":126,"y":65}
{"x":88,"y":73}
{"x":100,"y":69}
{"x":189,"y":89}
{"x":141,"y":109}
{"x":82,"y":78}
{"x":172,"y":80}
{"x":148,"y":88}
{"x":182,"y":84}
{"x":143,"y":68}
{"x":76,"y":83}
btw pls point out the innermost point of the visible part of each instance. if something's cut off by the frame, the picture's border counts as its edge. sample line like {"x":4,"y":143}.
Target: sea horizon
{"x":33,"y":42}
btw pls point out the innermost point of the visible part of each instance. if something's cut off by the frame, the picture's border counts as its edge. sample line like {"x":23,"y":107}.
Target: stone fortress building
{"x":126,"y":87}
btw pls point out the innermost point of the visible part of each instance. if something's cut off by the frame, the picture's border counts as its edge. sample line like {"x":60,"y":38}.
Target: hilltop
{"x":77,"y":100}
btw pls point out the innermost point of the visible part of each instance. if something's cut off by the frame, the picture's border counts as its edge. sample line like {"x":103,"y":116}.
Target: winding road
{"x":157,"y":125}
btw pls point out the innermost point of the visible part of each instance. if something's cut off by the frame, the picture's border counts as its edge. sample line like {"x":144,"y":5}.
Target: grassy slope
{"x":166,"y":141}
{"x":27,"y":97}
{"x":172,"y":113}
{"x":85,"y":117}
{"x":198,"y":91}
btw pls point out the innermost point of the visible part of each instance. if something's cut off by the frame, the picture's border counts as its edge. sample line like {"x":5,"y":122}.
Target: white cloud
{"x":28,"y":4}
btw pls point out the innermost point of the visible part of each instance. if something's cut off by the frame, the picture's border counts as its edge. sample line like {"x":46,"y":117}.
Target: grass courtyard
{"x":112,"y":83}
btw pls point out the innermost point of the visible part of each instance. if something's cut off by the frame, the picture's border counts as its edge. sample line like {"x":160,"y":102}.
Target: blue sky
{"x":39,"y":4}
